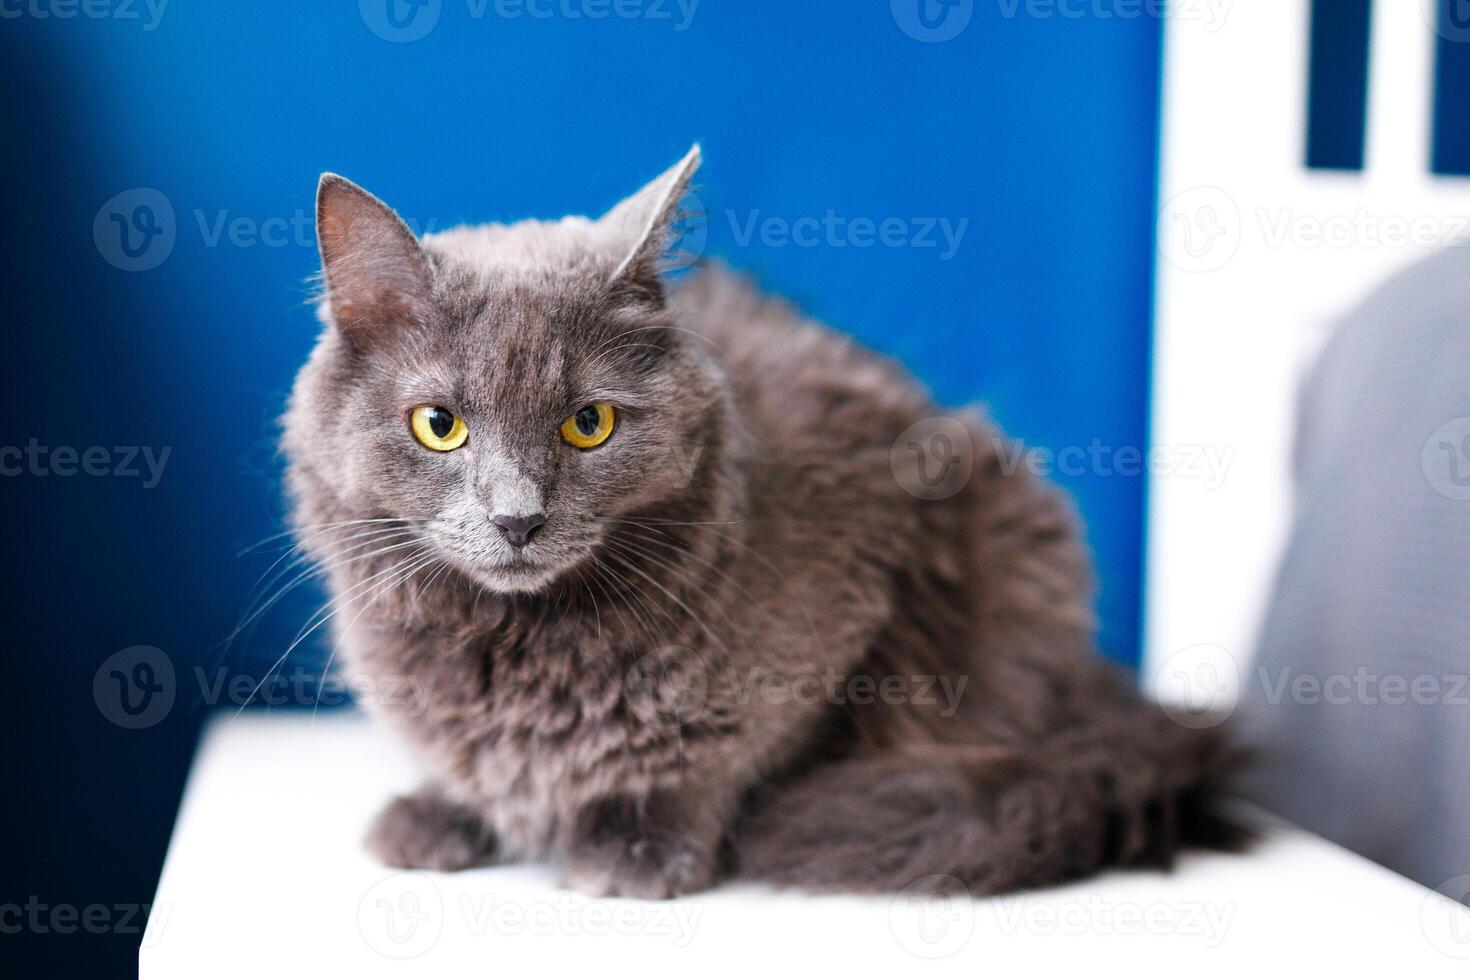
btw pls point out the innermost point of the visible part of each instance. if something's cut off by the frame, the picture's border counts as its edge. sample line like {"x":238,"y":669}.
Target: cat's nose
{"x":518,"y":529}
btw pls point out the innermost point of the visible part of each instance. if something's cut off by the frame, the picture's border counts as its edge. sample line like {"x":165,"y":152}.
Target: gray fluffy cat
{"x":650,"y":549}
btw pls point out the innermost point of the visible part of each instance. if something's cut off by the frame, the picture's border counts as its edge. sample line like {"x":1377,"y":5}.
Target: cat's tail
{"x":1128,"y":789}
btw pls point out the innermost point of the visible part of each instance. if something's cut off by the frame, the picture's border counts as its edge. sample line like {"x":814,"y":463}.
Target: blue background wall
{"x":1040,"y":131}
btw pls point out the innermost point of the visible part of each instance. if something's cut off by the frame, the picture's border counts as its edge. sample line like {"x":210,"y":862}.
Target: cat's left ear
{"x":642,"y":226}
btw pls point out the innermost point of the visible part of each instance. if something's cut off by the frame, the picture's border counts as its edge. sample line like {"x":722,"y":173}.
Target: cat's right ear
{"x":375,"y":271}
{"x":642,"y":227}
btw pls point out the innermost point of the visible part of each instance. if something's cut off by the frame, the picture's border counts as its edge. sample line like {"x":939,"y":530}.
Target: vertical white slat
{"x":1237,"y":149}
{"x":1400,"y":92}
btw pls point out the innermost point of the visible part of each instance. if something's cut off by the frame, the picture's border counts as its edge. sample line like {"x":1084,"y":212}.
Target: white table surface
{"x":265,"y":877}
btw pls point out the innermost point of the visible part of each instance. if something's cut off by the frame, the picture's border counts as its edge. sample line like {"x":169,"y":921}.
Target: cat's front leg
{"x":659,"y":846}
{"x":424,"y":830}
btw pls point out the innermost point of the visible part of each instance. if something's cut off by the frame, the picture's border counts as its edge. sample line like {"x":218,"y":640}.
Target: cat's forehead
{"x":529,"y":283}
{"x":526,"y":246}
{"x":545,"y":319}
{"x":521,"y":345}
{"x":525,"y":319}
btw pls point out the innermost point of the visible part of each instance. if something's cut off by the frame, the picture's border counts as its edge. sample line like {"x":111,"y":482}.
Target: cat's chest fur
{"x":532,"y":725}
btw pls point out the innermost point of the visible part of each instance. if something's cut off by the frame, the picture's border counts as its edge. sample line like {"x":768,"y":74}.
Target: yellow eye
{"x":438,"y":428}
{"x":590,"y":426}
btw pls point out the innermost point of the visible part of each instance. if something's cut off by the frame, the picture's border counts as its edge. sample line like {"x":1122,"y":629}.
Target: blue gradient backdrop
{"x":1040,"y":132}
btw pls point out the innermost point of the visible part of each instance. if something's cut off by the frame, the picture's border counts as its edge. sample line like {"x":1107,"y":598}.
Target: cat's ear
{"x":376,"y":273}
{"x":641,"y":226}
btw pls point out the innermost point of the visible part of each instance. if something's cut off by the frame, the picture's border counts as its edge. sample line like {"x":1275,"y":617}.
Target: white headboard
{"x":1257,"y":256}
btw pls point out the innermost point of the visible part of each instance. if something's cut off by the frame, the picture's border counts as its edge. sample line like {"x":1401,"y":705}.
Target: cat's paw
{"x":644,"y":867}
{"x":426,"y":832}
